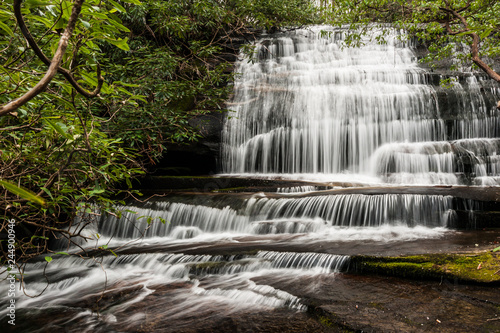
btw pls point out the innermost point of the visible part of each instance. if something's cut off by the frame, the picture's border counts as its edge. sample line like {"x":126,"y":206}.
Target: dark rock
{"x":209,"y":126}
{"x":192,"y":159}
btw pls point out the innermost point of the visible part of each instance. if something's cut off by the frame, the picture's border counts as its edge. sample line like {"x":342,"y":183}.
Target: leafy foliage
{"x":160,"y":63}
{"x":468,"y":30}
{"x":177,"y":62}
{"x":54,"y":146}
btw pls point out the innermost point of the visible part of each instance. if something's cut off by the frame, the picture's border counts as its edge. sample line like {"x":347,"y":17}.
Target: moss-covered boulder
{"x":466,"y":268}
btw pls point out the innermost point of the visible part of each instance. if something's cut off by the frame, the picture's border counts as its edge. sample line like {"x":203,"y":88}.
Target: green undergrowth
{"x":473,"y":268}
{"x":182,"y":177}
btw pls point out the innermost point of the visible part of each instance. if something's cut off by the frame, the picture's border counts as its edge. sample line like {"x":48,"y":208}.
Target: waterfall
{"x":231,"y":279}
{"x":304,"y":108}
{"x":466,"y":161}
{"x":297,"y":189}
{"x":305,"y":104}
{"x":261,"y":215}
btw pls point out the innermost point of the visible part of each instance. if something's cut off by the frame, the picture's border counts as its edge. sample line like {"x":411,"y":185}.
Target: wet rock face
{"x":210,"y":127}
{"x":455,"y":101}
{"x":391,"y":305}
{"x":340,"y":303}
{"x":199,"y":158}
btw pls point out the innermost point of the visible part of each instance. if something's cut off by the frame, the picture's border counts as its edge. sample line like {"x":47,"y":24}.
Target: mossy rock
{"x":467,"y":268}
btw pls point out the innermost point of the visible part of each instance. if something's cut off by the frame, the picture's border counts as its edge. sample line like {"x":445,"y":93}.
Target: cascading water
{"x":284,"y":215}
{"x":304,"y":107}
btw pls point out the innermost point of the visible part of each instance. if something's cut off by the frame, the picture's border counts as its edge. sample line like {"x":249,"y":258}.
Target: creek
{"x":372,"y":138}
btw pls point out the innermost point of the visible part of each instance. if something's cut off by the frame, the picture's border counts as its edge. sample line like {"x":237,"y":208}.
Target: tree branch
{"x":54,"y":65}
{"x":66,"y":73}
{"x":475,"y":42}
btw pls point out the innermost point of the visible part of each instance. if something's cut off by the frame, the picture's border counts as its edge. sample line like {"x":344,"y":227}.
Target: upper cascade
{"x":306,"y":104}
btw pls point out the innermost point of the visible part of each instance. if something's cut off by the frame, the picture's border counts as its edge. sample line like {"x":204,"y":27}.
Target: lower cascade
{"x":374,"y":149}
{"x":286,"y":215}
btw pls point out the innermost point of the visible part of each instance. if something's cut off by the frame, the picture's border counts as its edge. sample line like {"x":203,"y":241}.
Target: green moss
{"x":325,"y":321}
{"x":230,"y":189}
{"x":376,"y":305}
{"x":482,"y":268}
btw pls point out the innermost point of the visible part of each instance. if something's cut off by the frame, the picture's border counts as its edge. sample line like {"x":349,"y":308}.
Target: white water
{"x":224,"y":283}
{"x":229,"y":286}
{"x":260,"y":215}
{"x":297,"y":189}
{"x":306,"y":106}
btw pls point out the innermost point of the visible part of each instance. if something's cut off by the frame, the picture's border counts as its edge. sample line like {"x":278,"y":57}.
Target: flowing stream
{"x":304,"y":108}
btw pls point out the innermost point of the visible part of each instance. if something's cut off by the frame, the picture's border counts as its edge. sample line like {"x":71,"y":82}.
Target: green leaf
{"x":120,"y":43}
{"x":135,"y":2}
{"x":100,"y":16}
{"x":63,"y":101}
{"x":85,"y":24}
{"x":97,"y":191}
{"x":23,"y":193}
{"x":46,"y":190}
{"x":43,"y":20}
{"x":6,"y":14}
{"x":66,"y":9}
{"x":37,"y":3}
{"x":117,"y":6}
{"x":48,"y":259}
{"x":127,"y":84}
{"x":485,"y":33}
{"x":89,"y":79}
{"x":496,"y":249}
{"x":56,"y":127}
{"x":119,"y":25}
{"x":5,"y":28}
